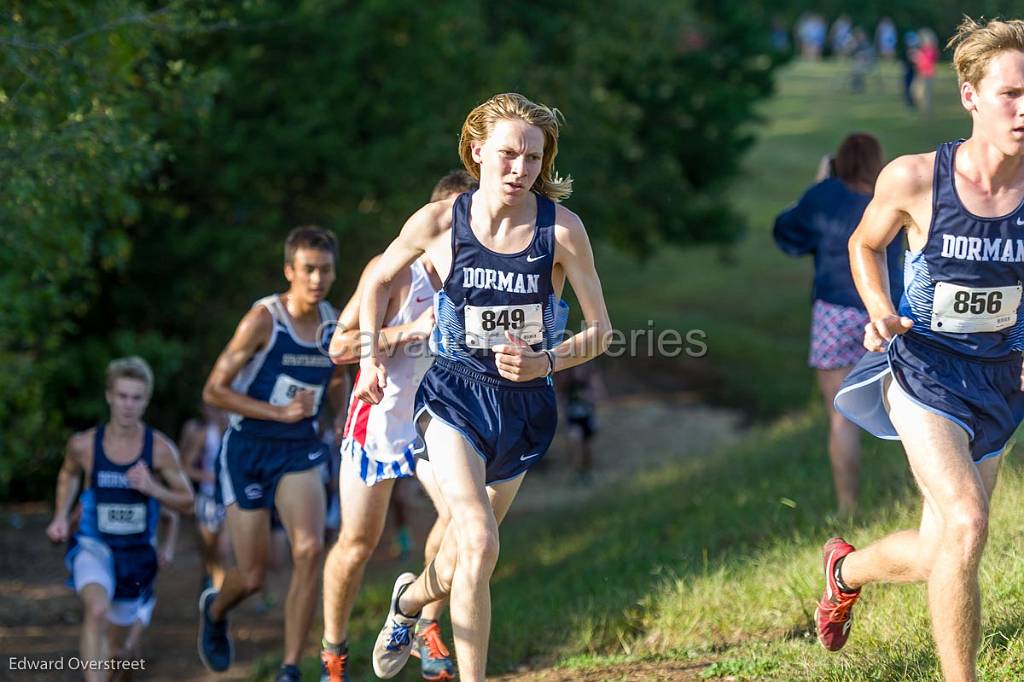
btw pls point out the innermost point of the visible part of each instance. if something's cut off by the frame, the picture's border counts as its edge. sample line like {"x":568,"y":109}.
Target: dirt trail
{"x":39,"y":616}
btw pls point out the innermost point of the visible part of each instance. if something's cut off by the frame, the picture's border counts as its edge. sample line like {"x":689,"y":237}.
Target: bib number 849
{"x":506,"y":319}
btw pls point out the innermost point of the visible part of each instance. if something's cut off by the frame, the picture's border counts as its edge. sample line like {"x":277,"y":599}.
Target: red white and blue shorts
{"x":837,"y":335}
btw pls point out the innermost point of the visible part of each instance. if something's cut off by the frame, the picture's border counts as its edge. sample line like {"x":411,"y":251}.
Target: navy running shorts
{"x":509,"y":425}
{"x":981,"y":395}
{"x":251,"y":468}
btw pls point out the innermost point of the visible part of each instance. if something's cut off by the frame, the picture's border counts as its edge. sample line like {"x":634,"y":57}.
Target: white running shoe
{"x":394,"y":643}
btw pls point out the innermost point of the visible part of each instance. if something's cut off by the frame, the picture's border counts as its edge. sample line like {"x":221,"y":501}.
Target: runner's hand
{"x":516,"y":361}
{"x":424,"y":324}
{"x":878,"y":333}
{"x":58,"y":530}
{"x":372,"y":379}
{"x":301,"y":406}
{"x":139,"y":478}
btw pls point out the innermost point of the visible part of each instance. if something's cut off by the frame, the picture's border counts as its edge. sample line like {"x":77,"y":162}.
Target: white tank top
{"x":385,"y":431}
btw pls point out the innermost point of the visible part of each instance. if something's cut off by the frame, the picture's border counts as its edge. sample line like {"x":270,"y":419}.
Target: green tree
{"x":82,"y":89}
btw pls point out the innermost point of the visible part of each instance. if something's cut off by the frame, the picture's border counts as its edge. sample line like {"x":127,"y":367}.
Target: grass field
{"x":716,"y":559}
{"x":756,"y":310}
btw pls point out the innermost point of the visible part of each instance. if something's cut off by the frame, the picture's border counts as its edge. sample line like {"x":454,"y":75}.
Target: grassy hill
{"x":715,"y":559}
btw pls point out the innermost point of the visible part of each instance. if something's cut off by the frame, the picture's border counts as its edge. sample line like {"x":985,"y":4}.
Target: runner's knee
{"x":479,"y":546}
{"x":307,"y":549}
{"x":253,"y":579}
{"x":966,"y":527}
{"x":96,"y":614}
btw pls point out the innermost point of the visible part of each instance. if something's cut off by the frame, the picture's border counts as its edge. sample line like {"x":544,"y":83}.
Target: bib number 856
{"x":978,"y":302}
{"x":506,"y":319}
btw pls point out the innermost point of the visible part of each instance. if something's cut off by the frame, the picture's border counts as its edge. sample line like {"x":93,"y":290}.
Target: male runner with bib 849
{"x":486,"y":408}
{"x":945,"y":377}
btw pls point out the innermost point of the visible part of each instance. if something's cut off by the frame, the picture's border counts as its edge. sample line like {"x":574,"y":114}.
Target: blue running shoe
{"x":215,"y":650}
{"x":435,"y":659}
{"x":288,"y":673}
{"x":394,"y":643}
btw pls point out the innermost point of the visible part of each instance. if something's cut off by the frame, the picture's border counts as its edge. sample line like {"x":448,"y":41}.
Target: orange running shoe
{"x":435,"y":659}
{"x":333,"y":666}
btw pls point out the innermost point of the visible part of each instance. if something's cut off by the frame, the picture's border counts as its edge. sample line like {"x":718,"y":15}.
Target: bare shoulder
{"x":430,"y":220}
{"x":164,"y":449}
{"x":255,"y":326}
{"x":569,"y":229}
{"x":79,"y":445}
{"x":907,"y":177}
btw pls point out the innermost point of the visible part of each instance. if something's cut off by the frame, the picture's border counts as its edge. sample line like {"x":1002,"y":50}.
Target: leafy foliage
{"x":157,"y":155}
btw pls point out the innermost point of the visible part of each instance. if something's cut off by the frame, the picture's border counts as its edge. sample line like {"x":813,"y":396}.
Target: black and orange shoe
{"x":333,"y":667}
{"x":834,"y":613}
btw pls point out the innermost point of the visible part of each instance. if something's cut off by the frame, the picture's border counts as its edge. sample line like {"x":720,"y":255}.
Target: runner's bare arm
{"x":170,"y":523}
{"x":69,"y":480}
{"x":347,"y":342}
{"x":574,"y":252}
{"x":192,"y":441}
{"x":897,"y":187}
{"x":171,"y":487}
{"x":253,"y":333}
{"x":412,"y":241}
{"x":516,"y":361}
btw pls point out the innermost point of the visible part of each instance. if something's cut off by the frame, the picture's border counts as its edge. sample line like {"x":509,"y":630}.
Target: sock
{"x":423,"y":624}
{"x":336,"y":649}
{"x":398,"y":600}
{"x":843,"y":587}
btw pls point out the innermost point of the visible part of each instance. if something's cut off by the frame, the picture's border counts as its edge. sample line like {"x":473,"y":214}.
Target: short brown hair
{"x":310,"y":237}
{"x":977,"y":43}
{"x":456,"y":182}
{"x":132,"y":367}
{"x":512,"y":106}
{"x":859,"y":159}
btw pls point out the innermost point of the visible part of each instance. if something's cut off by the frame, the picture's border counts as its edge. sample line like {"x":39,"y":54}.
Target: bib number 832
{"x":978,"y":302}
{"x":506,"y":319}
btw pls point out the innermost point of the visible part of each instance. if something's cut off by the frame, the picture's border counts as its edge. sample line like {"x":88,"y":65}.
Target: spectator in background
{"x":811,"y":32}
{"x":885,"y":38}
{"x":925,"y":58}
{"x":907,"y":57}
{"x":842,"y":36}
{"x":780,"y":35}
{"x":863,"y":52}
{"x":821,"y":223}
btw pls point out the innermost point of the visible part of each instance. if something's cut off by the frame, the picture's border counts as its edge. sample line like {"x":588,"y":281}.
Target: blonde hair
{"x":977,"y":43}
{"x":514,"y":107}
{"x":132,"y":367}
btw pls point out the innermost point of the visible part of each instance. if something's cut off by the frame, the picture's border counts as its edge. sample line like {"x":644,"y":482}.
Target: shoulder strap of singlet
{"x":273,"y":305}
{"x":147,"y":447}
{"x":546,"y":223}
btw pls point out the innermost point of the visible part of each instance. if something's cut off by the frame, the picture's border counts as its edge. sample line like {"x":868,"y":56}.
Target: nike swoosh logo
{"x":421,"y":300}
{"x":847,"y":625}
{"x":1020,"y":221}
{"x":531,"y":259}
{"x":523,"y":458}
{"x":313,"y":455}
